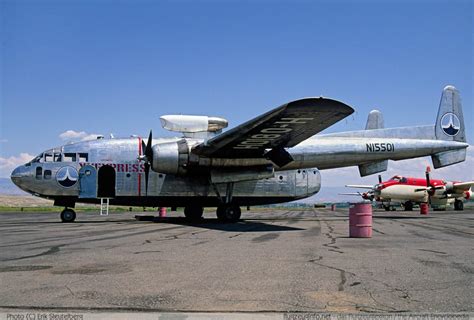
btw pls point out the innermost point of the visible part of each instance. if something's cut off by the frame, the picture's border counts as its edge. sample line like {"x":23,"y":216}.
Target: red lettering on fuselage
{"x":119,"y":167}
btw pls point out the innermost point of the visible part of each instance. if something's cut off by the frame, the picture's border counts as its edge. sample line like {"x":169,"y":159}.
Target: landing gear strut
{"x":226,"y":211}
{"x":458,"y":205}
{"x":68,"y":215}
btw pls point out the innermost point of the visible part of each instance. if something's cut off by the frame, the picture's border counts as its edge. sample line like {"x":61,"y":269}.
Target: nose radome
{"x":17,"y":174}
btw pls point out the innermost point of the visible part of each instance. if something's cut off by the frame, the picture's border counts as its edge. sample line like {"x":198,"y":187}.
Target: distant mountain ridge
{"x":7,"y":187}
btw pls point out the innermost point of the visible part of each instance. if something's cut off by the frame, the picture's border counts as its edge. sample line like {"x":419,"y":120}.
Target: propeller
{"x":380,"y":178}
{"x":147,"y":157}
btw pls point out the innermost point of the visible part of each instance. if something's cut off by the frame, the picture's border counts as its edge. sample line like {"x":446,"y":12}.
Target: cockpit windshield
{"x":54,"y":156}
{"x":395,"y":178}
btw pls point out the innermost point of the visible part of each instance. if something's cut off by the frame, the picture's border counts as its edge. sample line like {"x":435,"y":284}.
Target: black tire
{"x":408,"y":206}
{"x":228,"y":213}
{"x":193,"y":213}
{"x":387,"y":208}
{"x":68,"y":215}
{"x":458,"y":205}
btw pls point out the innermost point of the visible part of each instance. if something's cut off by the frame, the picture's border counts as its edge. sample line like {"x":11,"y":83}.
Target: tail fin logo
{"x":450,"y":124}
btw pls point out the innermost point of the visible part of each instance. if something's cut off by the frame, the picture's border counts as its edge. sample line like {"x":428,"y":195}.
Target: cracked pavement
{"x":272,"y":260}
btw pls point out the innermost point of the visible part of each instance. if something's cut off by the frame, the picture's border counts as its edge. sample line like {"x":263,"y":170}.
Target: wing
{"x":280,"y":128}
{"x":359,"y":186}
{"x":460,"y":187}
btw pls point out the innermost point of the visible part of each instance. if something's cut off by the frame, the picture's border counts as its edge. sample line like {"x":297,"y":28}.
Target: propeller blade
{"x":147,"y":172}
{"x":380,"y":178}
{"x":148,"y":149}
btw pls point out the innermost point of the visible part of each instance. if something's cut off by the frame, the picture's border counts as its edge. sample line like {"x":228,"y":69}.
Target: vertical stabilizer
{"x":374,"y":120}
{"x":450,"y":120}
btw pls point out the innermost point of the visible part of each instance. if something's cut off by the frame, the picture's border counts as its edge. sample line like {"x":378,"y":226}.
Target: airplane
{"x":409,"y":190}
{"x":272,"y":158}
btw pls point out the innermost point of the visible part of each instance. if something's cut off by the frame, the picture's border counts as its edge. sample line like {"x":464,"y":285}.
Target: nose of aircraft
{"x":18,"y":175}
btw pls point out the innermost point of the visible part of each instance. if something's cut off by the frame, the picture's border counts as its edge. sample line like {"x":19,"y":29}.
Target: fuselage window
{"x":47,"y":174}
{"x":83,"y":157}
{"x":39,"y":172}
{"x":69,"y":157}
{"x":48,"y":157}
{"x":57,"y":157}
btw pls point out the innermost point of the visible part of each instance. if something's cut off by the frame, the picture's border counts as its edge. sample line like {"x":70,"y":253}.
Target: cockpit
{"x":55,"y":156}
{"x":399,"y":179}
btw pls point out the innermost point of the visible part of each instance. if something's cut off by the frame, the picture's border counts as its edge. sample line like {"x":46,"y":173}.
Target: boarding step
{"x":104,"y":206}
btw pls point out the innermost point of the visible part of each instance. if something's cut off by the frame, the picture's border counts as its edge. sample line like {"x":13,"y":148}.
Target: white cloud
{"x":8,"y":164}
{"x":463,"y":171}
{"x":71,"y":135}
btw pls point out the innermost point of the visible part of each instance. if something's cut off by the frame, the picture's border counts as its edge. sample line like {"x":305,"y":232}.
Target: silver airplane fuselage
{"x":272,"y":158}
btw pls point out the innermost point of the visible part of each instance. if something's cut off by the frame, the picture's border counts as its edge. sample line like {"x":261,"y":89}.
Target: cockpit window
{"x":57,"y":157}
{"x":83,"y":157}
{"x":69,"y":157}
{"x":37,"y":158}
{"x":48,"y":157}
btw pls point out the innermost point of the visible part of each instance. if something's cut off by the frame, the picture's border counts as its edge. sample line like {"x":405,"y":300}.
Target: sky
{"x":72,"y":69}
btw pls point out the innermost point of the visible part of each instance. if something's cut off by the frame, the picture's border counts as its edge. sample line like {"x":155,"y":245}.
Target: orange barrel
{"x":360,"y":220}
{"x":333,"y":207}
{"x":424,"y":208}
{"x":162,"y":212}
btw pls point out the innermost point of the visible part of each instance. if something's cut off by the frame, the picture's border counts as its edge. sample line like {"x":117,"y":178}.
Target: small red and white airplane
{"x":410,"y":190}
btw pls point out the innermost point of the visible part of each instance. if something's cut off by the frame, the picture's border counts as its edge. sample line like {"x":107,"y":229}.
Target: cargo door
{"x":88,"y":182}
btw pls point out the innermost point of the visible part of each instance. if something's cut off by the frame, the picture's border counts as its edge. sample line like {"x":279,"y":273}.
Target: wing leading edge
{"x":280,"y":128}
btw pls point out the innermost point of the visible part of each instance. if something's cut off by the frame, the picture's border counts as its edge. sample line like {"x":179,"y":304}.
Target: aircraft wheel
{"x":458,"y":205}
{"x":408,"y":206}
{"x":68,"y":215}
{"x":387,"y":208}
{"x":193,"y":212}
{"x":228,"y":213}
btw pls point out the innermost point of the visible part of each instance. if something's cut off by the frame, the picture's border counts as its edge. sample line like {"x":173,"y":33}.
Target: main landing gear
{"x":408,"y":206}
{"x":227,"y":211}
{"x":193,"y":213}
{"x":458,"y":205}
{"x":68,"y":215}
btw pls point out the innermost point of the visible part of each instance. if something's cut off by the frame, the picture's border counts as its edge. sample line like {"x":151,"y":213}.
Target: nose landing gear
{"x":68,"y":215}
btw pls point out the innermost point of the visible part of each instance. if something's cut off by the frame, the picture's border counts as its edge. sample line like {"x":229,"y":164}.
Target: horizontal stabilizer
{"x":447,"y":158}
{"x":373,"y":167}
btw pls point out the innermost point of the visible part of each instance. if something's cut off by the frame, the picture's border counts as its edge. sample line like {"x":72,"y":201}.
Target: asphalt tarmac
{"x":272,"y":260}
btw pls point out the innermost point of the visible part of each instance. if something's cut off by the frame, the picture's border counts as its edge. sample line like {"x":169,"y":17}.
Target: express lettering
{"x":380,"y":147}
{"x":119,"y":167}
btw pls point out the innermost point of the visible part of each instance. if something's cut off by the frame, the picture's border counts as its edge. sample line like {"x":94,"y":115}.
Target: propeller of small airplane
{"x":380,"y":178}
{"x":147,"y":157}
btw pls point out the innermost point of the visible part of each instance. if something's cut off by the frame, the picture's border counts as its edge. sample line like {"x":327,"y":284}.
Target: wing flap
{"x":282,"y":127}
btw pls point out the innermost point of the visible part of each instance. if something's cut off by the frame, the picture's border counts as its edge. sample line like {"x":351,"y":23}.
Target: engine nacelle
{"x":170,"y":157}
{"x":449,"y":187}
